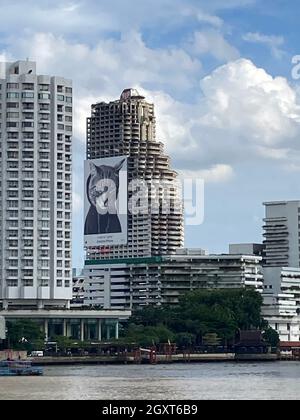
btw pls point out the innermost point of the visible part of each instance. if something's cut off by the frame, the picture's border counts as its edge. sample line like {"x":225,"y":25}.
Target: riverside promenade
{"x":148,"y":359}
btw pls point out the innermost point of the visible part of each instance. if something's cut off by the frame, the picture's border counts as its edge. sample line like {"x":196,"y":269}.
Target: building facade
{"x":133,"y":283}
{"x":127,"y":127}
{"x":282,"y":301}
{"x":248,"y":249}
{"x":78,"y":289}
{"x":36,"y":187}
{"x":282,"y":239}
{"x":78,"y":325}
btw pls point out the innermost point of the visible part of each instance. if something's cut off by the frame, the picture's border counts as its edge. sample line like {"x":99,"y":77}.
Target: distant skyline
{"x":219,"y":74}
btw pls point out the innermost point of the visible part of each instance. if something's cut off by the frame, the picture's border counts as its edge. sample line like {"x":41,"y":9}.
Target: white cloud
{"x":111,"y":64}
{"x":248,"y":102}
{"x":213,"y":42}
{"x":215,"y":174}
{"x":271,"y":41}
{"x":208,"y":18}
{"x":244,"y":115}
{"x":203,"y":17}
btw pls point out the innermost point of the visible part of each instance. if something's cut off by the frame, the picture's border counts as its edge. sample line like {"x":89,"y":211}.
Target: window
{"x":12,"y":85}
{"x":28,"y":95}
{"x":11,"y":124}
{"x":27,"y":124}
{"x":44,"y":88}
{"x":28,"y":86}
{"x":12,"y":105}
{"x":44,"y":96}
{"x":44,"y":107}
{"x":60,"y":97}
{"x":12,"y":95}
{"x":12,"y":115}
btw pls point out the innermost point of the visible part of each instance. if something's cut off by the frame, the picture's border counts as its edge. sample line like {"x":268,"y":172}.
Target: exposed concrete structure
{"x":127,"y":127}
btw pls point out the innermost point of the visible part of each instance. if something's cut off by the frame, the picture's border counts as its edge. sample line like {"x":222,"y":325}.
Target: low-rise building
{"x":136,"y":282}
{"x":83,"y":325}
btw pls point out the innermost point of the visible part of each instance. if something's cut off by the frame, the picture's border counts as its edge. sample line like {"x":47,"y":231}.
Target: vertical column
{"x":46,"y":329}
{"x":69,"y":332}
{"x":82,"y":330}
{"x":100,"y":330}
{"x":65,"y":328}
{"x":117,"y":331}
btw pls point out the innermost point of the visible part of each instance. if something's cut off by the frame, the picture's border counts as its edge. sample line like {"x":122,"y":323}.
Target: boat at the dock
{"x":19,"y":368}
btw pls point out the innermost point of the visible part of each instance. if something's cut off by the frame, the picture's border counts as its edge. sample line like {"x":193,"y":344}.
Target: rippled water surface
{"x":175,"y":382}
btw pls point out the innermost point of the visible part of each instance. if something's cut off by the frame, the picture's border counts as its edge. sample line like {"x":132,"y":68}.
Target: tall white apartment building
{"x":282,"y":234}
{"x":127,"y":127}
{"x":36,"y":189}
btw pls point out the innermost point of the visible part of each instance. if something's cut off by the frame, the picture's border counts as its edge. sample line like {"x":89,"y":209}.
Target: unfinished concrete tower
{"x":127,"y":127}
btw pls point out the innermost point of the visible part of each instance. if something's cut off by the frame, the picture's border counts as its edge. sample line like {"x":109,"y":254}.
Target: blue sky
{"x":219,"y":73}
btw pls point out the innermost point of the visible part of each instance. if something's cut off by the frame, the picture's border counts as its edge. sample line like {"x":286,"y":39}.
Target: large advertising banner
{"x":106,"y":202}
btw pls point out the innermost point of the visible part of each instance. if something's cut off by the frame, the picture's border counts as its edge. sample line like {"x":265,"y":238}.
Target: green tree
{"x":185,"y":340}
{"x":271,"y":336}
{"x":24,"y":335}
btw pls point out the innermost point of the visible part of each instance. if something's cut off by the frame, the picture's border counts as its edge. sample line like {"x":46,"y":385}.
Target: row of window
{"x":41,"y":96}
{"x":30,"y":165}
{"x":30,"y":116}
{"x":42,"y":273}
{"x":29,"y":243}
{"x":42,"y":136}
{"x":41,"y":87}
{"x":29,"y":106}
{"x":42,"y":126}
{"x":14,"y":253}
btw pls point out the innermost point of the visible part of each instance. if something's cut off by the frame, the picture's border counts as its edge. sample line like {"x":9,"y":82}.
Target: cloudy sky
{"x":219,"y":72}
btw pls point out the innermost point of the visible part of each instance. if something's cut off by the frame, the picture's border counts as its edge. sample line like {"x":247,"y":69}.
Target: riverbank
{"x":159,"y":359}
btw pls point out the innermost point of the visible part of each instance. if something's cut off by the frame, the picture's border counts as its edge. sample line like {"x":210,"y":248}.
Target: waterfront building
{"x":80,"y":325}
{"x":282,"y":237}
{"x":78,"y":289}
{"x":36,"y":188}
{"x":127,"y":128}
{"x":282,"y":301}
{"x":136,"y":282}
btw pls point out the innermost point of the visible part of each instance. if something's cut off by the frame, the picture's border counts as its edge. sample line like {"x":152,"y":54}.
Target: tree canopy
{"x":201,"y":312}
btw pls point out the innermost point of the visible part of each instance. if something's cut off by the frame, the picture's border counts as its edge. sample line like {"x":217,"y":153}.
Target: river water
{"x":239,"y":381}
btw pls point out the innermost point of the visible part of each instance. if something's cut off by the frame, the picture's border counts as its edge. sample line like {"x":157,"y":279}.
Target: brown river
{"x":237,"y":381}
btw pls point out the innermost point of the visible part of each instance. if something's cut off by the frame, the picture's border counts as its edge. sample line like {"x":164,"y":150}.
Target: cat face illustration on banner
{"x":102,"y":197}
